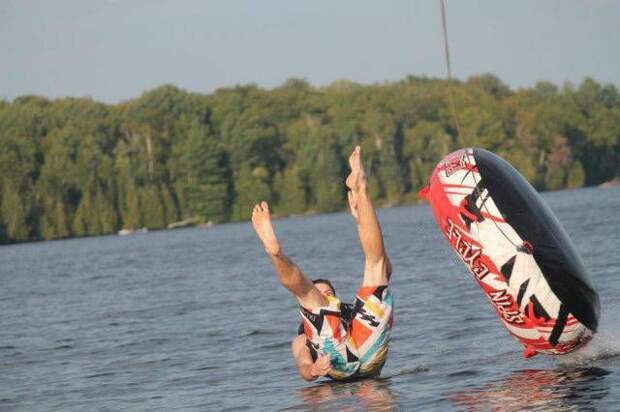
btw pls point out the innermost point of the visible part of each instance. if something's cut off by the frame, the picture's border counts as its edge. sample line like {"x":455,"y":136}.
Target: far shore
{"x":200,"y":223}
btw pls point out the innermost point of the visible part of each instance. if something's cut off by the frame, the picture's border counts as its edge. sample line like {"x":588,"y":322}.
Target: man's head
{"x":325,"y":287}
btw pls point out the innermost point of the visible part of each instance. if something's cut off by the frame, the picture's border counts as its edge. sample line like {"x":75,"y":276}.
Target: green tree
{"x":327,"y":181}
{"x":424,"y":145}
{"x":291,"y":191}
{"x":207,"y":186}
{"x":153,"y":212}
{"x":15,"y":211}
{"x":576,"y":176}
{"x":133,"y":216}
{"x":251,"y":187}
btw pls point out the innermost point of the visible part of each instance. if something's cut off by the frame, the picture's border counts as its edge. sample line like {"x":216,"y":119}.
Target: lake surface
{"x":195,"y":320}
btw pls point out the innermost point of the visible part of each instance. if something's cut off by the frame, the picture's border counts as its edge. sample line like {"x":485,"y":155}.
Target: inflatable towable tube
{"x":516,"y":250}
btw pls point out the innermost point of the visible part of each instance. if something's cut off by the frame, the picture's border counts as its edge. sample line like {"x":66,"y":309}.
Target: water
{"x":195,"y":320}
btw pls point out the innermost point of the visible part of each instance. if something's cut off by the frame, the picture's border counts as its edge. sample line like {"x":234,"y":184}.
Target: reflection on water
{"x":532,"y":389}
{"x":366,"y":394}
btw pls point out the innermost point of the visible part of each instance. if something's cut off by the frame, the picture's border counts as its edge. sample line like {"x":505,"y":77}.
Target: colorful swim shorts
{"x":357,"y":348}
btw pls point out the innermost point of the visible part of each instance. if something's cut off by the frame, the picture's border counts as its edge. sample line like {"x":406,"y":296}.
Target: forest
{"x":76,"y":167}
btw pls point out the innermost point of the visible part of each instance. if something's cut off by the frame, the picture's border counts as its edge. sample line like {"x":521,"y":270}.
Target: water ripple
{"x":195,"y":319}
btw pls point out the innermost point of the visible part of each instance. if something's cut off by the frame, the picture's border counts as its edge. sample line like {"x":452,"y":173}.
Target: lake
{"x":195,"y":319}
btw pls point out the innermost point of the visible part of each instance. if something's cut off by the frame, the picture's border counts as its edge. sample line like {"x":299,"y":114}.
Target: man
{"x":332,"y":345}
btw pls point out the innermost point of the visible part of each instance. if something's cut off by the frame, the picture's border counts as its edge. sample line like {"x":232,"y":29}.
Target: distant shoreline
{"x":607,"y":185}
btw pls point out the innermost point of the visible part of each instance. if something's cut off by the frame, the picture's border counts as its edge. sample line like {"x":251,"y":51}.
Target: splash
{"x":605,"y":344}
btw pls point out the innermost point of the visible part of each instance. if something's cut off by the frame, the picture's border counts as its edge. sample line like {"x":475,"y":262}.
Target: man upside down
{"x":338,"y":340}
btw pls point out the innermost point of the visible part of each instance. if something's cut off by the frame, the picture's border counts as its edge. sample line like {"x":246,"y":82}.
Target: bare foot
{"x":356,"y":177}
{"x":261,"y":220}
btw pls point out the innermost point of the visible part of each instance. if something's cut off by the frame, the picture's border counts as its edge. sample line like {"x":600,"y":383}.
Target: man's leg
{"x":373,"y":315}
{"x":377,"y":268}
{"x":288,"y":272}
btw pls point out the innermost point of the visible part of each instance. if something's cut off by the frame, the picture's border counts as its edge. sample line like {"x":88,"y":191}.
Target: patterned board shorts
{"x":358,"y":348}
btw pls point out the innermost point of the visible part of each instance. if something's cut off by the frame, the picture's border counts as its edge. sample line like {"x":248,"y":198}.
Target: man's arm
{"x":292,"y":278}
{"x":289,"y":274}
{"x":377,"y":268}
{"x":307,"y":369}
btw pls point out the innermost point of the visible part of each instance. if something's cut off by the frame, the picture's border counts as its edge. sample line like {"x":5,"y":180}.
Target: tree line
{"x":77,"y":167}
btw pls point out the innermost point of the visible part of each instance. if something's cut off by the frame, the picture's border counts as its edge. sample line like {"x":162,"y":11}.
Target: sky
{"x":114,"y":50}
